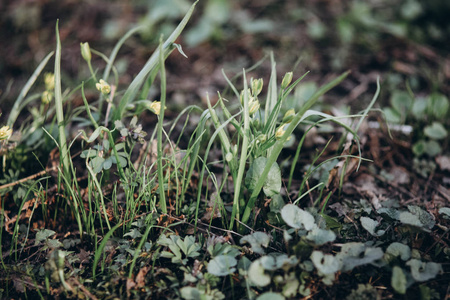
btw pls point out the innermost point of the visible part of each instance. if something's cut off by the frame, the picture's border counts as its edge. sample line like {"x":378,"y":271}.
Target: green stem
{"x":64,"y":153}
{"x":162,"y":197}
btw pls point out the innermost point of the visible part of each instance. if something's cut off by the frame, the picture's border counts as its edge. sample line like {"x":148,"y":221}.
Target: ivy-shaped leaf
{"x":257,"y":275}
{"x":325,"y":263}
{"x":272,"y":184}
{"x":297,"y":218}
{"x":257,"y":240}
{"x":42,"y":235}
{"x":358,"y":254}
{"x":397,"y":249}
{"x":422,"y":271}
{"x":222,"y":265}
{"x":321,"y":236}
{"x":370,"y":225}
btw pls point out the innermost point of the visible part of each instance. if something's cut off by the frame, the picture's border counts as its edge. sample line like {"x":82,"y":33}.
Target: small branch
{"x":31,"y":177}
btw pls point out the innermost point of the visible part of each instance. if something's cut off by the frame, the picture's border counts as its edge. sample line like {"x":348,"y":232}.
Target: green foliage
{"x":180,"y":249}
{"x":428,"y":117}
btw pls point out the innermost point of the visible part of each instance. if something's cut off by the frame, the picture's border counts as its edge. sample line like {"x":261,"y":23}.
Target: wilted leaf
{"x":297,"y":218}
{"x":398,"y":280}
{"x":222,"y":265}
{"x":321,"y":236}
{"x":257,"y":240}
{"x":272,"y":184}
{"x":422,"y":271}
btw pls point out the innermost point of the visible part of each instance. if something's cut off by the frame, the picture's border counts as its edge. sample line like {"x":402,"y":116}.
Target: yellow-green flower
{"x":280,"y":132}
{"x":103,"y":87}
{"x":257,"y":85}
{"x":155,"y":107}
{"x":253,"y":106}
{"x":49,"y":79}
{"x":85,"y":51}
{"x":46,"y":97}
{"x":288,"y":116}
{"x":286,"y":80}
{"x":5,"y":133}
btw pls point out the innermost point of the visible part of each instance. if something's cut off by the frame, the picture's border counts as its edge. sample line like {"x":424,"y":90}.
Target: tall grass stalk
{"x":64,"y":153}
{"x":162,"y":197}
{"x":242,"y":163}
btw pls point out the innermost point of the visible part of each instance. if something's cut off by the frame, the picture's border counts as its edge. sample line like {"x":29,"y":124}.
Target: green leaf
{"x":398,"y":280}
{"x":417,"y":217}
{"x":422,"y":271}
{"x":276,"y":203}
{"x":392,"y":116}
{"x":445,"y":211}
{"x":191,"y":293}
{"x":439,"y":105}
{"x":42,"y":235}
{"x":353,"y":255}
{"x":272,"y":184}
{"x":297,"y":218}
{"x":398,"y":249}
{"x":321,"y":236}
{"x":419,"y":148}
{"x":134,"y":233}
{"x":256,"y":274}
{"x":325,"y":263}
{"x":257,"y":240}
{"x":435,"y":131}
{"x":222,"y":265}
{"x":433,"y":148}
{"x":370,"y":225}
{"x":402,"y":102}
{"x":419,"y":108}
{"x":53,"y":244}
{"x":270,"y":296}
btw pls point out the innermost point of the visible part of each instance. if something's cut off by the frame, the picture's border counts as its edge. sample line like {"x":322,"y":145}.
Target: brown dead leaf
{"x":140,"y":278}
{"x":443,"y":162}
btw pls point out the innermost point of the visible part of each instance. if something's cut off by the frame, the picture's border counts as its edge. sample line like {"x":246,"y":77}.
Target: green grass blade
{"x":99,"y":251}
{"x":64,"y":153}
{"x":153,"y":61}
{"x":15,"y":109}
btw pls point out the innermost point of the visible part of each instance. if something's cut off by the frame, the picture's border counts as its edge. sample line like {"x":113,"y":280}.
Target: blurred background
{"x":400,"y":40}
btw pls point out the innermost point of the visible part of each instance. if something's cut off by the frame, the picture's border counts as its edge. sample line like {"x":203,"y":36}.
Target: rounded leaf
{"x":435,"y":131}
{"x":297,"y":218}
{"x":222,"y":265}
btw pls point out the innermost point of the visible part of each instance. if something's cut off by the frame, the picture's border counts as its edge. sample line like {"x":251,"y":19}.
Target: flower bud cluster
{"x":49,"y":81}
